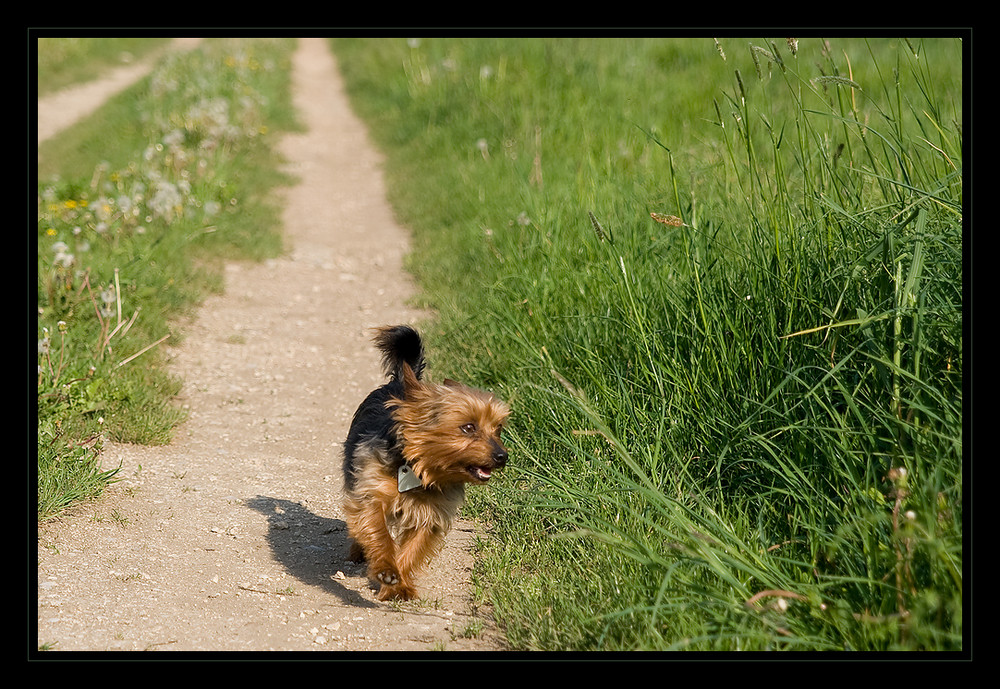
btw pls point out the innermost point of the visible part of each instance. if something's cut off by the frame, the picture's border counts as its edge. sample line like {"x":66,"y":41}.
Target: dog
{"x":411,"y":449}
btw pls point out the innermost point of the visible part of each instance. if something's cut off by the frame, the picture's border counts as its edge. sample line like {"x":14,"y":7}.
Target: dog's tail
{"x":400,"y":344}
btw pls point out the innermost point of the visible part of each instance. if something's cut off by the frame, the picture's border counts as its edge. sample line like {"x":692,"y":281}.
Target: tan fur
{"x":450,"y":436}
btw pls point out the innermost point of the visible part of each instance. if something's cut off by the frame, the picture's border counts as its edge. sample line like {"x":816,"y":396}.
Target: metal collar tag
{"x":406,"y":479}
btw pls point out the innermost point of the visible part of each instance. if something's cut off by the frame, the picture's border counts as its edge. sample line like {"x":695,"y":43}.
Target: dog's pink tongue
{"x":484,"y":474}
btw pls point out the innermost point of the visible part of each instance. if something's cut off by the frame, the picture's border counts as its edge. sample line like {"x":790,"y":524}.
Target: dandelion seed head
{"x":62,"y":257}
{"x":109,"y":295}
{"x":174,"y":138}
{"x":166,"y":200}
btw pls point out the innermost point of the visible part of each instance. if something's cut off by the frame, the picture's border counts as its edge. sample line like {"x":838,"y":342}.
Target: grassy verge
{"x":136,"y":206}
{"x":67,"y":61}
{"x":721,"y":285}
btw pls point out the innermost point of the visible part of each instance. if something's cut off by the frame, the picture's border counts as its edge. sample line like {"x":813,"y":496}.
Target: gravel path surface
{"x":231,"y":538}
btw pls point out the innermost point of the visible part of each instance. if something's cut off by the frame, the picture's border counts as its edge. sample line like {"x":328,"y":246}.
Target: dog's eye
{"x":469,"y":428}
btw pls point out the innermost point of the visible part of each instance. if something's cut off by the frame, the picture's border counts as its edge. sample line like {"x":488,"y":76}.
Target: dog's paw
{"x":397,"y":592}
{"x":387,"y":577}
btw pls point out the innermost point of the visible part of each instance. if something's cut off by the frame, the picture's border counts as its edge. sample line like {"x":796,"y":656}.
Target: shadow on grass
{"x":311,"y":547}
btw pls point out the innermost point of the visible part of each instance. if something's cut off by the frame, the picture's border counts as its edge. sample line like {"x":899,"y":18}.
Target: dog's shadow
{"x":311,"y":547}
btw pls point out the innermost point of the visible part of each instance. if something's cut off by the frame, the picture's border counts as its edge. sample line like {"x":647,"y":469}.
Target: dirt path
{"x":231,"y":538}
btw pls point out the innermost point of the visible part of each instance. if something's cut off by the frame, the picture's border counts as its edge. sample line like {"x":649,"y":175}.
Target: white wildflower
{"x":166,"y":200}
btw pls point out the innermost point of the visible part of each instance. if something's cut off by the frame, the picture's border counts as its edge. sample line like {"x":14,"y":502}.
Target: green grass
{"x":137,"y":205}
{"x":64,"y":62}
{"x":740,"y":429}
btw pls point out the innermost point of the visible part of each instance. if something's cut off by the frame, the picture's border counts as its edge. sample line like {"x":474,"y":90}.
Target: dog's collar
{"x":406,"y":480}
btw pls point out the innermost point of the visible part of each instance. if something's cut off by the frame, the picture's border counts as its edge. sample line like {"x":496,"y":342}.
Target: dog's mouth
{"x":481,"y":474}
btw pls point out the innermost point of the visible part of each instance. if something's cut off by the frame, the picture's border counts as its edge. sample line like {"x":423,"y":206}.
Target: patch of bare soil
{"x":231,"y":538}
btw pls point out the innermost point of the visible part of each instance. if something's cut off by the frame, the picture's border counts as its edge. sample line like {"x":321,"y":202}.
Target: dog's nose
{"x":500,"y":456}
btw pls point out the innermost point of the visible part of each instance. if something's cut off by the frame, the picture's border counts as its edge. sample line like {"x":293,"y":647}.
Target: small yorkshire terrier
{"x":411,"y":449}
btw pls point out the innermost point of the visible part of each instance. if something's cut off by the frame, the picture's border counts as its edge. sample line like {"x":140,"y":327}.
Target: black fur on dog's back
{"x":373,"y":424}
{"x":373,"y":428}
